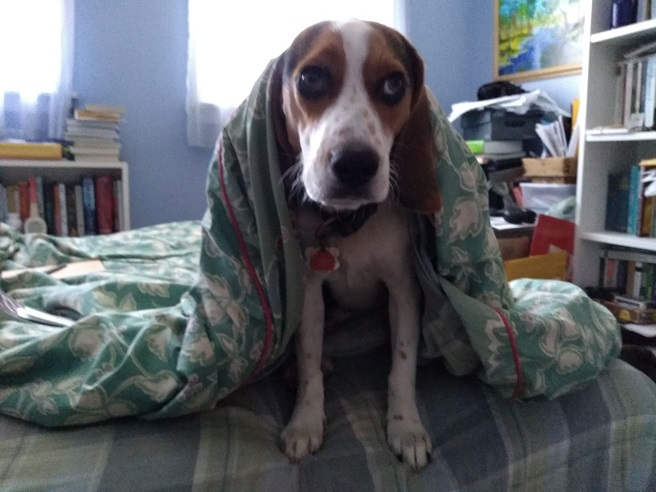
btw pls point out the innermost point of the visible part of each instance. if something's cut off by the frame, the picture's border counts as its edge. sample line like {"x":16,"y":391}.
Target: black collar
{"x":343,"y":223}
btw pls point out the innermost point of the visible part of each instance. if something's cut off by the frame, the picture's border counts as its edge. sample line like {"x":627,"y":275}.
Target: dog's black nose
{"x":354,"y":167}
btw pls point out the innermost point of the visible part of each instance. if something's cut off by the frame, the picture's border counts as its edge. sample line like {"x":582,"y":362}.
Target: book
{"x":119,"y":213}
{"x":71,"y":211}
{"x":99,"y":113}
{"x":30,"y":150}
{"x":650,"y":93}
{"x":63,"y":209}
{"x":24,"y":197}
{"x":13,"y":199}
{"x":104,"y":188}
{"x":56,"y":210}
{"x":89,"y":205}
{"x":617,"y":204}
{"x":79,"y":210}
{"x":3,"y":203}
{"x":48,"y":208}
{"x":18,"y":309}
{"x":635,"y":202}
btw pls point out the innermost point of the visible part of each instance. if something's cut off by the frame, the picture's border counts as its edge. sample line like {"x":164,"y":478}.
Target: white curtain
{"x":36,"y":56}
{"x":230,"y":44}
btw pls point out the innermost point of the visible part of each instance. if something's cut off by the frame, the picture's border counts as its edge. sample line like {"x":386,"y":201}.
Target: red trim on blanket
{"x":249,"y":267}
{"x":518,"y":363}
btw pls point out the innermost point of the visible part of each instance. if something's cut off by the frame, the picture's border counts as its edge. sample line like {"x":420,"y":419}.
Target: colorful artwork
{"x":537,"y":38}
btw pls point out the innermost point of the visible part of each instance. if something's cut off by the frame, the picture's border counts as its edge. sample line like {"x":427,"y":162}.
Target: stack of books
{"x":93,"y":133}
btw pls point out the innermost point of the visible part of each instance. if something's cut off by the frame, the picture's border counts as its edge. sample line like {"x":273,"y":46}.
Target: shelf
{"x":618,"y":239}
{"x":621,"y":137}
{"x":62,"y":164}
{"x":627,"y":35}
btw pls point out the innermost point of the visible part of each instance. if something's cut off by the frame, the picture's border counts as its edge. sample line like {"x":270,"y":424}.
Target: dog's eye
{"x":392,"y":88}
{"x":313,"y":82}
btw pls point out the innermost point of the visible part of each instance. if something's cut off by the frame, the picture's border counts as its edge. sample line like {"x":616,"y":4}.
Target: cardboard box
{"x":550,"y":166}
{"x":514,"y":247}
{"x":631,"y":315}
{"x":550,"y":266}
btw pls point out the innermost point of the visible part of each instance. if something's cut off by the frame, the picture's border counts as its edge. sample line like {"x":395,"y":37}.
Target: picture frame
{"x":536,"y":40}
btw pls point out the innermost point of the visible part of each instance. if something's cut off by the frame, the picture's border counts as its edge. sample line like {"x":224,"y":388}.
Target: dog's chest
{"x":369,"y":259}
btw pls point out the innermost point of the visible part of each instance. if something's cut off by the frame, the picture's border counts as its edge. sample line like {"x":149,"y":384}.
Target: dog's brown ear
{"x":286,"y":151}
{"x":415,"y":154}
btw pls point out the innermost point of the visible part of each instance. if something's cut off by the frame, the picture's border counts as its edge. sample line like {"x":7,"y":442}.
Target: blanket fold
{"x":186,"y":313}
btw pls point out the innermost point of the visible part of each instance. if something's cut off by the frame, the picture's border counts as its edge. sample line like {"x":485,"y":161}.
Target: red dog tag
{"x":323,"y":260}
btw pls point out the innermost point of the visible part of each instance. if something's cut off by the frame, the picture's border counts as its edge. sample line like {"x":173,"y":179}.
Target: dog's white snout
{"x":354,"y":165}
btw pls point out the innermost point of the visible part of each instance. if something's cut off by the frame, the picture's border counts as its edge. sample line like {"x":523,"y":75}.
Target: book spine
{"x":622,"y":272}
{"x":89,"y":205}
{"x":63,"y":209}
{"x":650,"y":93}
{"x":71,"y":213}
{"x":24,"y":194}
{"x":3,"y":203}
{"x":119,"y":217}
{"x":56,"y":209}
{"x":39,"y":196}
{"x":49,"y":208}
{"x":13,"y":199}
{"x":79,"y":210}
{"x":635,"y":199}
{"x":105,"y":203}
{"x":636,"y":290}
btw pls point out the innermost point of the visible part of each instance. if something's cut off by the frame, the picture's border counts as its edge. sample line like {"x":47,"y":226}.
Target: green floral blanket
{"x":185,"y":313}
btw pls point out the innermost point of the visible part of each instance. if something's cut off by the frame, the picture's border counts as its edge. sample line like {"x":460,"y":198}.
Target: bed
{"x":601,"y":437}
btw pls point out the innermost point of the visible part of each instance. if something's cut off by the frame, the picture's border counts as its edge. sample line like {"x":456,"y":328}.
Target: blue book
{"x":89,"y":205}
{"x":635,"y":202}
{"x":617,"y":208}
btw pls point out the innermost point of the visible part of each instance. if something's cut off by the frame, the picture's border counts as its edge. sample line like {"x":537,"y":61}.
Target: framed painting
{"x":535,"y":39}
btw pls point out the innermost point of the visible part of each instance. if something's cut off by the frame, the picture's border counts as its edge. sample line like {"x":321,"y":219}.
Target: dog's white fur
{"x":351,"y":114}
{"x":375,"y":258}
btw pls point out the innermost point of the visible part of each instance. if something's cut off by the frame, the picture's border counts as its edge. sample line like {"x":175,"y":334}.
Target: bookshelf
{"x":600,"y":155}
{"x":14,"y":171}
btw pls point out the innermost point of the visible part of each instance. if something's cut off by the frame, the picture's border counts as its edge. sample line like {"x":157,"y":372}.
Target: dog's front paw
{"x":302,"y":436}
{"x":409,"y":441}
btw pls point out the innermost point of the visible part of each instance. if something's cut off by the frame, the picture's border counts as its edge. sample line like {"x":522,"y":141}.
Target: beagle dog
{"x":353,"y":127}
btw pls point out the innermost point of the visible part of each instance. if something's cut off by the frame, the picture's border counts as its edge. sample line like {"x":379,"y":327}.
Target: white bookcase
{"x":600,"y":155}
{"x":14,"y":171}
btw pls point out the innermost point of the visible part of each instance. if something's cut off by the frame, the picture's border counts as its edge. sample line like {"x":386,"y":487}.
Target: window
{"x":230,"y":44}
{"x":36,"y":57}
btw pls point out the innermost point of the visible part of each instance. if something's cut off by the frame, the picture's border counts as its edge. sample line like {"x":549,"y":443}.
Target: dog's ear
{"x":286,"y":150}
{"x":415,"y":154}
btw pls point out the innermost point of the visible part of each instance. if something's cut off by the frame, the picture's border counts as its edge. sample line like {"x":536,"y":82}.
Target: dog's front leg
{"x":304,"y":433}
{"x":406,"y":435}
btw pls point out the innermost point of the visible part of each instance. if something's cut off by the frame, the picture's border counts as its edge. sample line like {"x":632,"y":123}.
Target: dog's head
{"x":354,"y":110}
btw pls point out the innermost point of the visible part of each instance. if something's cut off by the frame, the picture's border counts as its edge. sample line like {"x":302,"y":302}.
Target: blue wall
{"x":134,"y":53}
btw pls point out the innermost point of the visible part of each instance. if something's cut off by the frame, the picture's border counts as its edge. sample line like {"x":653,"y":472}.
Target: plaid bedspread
{"x":600,"y":438}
